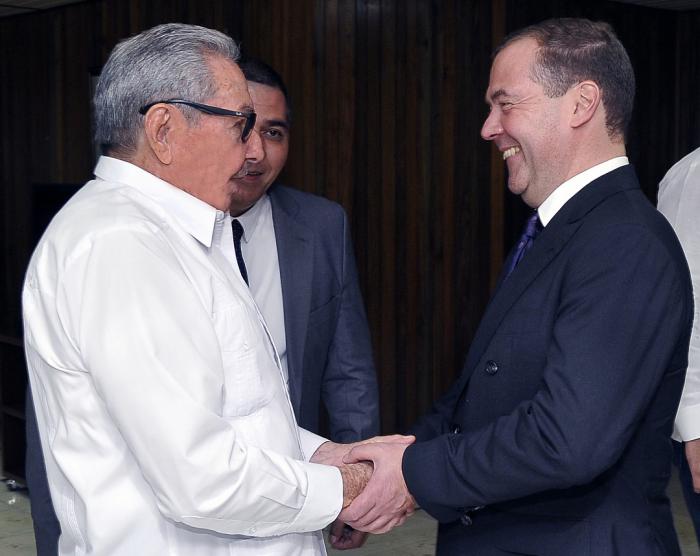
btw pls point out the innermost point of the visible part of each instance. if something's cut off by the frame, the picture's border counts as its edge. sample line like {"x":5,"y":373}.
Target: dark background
{"x":388,"y":103}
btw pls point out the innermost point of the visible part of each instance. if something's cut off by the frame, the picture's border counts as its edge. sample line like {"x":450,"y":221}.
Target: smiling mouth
{"x":510,"y":152}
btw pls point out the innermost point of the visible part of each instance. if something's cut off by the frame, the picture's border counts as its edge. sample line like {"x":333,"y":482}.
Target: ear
{"x":158,"y":129}
{"x":586,"y":101}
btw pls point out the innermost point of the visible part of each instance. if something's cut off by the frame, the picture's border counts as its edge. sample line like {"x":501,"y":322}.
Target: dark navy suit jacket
{"x":329,"y":356}
{"x":560,"y":424}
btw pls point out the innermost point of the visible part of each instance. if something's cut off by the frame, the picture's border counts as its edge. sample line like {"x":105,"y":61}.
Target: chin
{"x":517,"y":188}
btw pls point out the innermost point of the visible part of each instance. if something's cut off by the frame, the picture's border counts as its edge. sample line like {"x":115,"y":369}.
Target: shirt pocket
{"x":248,"y":367}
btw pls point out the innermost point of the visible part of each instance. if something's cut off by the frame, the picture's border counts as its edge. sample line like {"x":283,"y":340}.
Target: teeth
{"x":510,"y":152}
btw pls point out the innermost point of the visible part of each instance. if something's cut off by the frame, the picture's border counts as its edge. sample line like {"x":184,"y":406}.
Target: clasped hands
{"x":375,"y":496}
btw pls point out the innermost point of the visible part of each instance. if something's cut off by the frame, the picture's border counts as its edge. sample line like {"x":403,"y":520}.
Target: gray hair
{"x":167,"y":61}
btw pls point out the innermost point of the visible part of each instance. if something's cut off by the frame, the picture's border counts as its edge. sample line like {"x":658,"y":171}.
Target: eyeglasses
{"x":213,"y":110}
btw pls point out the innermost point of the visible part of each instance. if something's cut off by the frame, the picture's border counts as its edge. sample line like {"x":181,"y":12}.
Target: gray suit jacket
{"x":329,"y":355}
{"x":328,"y":345}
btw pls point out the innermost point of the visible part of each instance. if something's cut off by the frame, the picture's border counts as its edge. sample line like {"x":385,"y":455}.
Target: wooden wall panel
{"x":384,"y":123}
{"x":662,"y":47}
{"x":387,"y":108}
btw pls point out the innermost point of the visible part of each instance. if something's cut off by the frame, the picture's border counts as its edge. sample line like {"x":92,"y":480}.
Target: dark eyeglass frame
{"x":212,"y":110}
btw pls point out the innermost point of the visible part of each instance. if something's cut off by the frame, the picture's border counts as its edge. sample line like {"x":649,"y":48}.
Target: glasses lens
{"x":249,"y":125}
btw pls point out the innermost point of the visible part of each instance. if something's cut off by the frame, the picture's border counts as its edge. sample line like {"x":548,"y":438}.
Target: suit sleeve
{"x":439,"y":419}
{"x":349,"y":388}
{"x":622,"y":316}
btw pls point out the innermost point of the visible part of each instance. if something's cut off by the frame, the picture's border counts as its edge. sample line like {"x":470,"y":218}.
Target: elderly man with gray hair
{"x":163,"y":412}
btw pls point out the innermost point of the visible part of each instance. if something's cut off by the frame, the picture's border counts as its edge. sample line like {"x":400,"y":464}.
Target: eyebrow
{"x":496,"y":95}
{"x":276,"y":123}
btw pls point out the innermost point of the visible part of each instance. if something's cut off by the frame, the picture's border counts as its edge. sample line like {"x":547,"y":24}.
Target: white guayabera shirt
{"x":164,"y":419}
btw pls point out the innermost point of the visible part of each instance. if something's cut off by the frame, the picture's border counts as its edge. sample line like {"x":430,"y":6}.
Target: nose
{"x":492,"y":127}
{"x":254,"y":147}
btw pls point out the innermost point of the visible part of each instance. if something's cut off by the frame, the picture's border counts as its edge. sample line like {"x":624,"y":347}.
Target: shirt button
{"x":465,"y":520}
{"x":491,"y":367}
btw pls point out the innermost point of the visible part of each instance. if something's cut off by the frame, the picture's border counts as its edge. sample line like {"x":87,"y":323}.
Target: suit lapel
{"x":549,"y":243}
{"x":295,"y":254}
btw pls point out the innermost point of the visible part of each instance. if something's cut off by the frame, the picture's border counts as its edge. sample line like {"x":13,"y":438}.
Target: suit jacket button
{"x":466,"y":520}
{"x":456,"y":429}
{"x":491,"y":367}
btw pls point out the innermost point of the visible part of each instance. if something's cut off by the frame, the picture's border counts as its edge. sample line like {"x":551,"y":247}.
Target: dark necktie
{"x":237,"y":235}
{"x":533,"y":227}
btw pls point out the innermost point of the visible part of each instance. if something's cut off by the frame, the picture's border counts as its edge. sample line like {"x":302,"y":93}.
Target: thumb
{"x":361,"y":452}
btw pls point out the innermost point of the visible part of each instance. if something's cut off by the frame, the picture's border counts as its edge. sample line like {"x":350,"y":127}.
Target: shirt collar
{"x":250,"y":219}
{"x":192,"y":214}
{"x":558,"y":198}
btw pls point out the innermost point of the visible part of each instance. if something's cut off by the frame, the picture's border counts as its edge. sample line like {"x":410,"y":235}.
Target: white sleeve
{"x":310,"y":442}
{"x":679,"y":201}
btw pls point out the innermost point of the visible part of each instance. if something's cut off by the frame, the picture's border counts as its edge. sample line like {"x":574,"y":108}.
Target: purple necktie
{"x":533,"y":227}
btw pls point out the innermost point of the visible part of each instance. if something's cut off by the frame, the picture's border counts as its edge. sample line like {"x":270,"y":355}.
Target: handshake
{"x":375,"y":496}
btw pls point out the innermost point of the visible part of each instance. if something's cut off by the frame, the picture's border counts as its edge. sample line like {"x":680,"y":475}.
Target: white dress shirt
{"x":164,"y":420}
{"x":679,"y":201}
{"x":558,"y":198}
{"x":259,"y":249}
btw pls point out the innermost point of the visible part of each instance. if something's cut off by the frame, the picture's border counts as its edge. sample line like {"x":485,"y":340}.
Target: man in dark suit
{"x":297,"y":252}
{"x":556,"y":438}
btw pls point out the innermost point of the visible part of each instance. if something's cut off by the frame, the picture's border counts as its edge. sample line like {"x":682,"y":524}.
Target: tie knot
{"x":237,"y":230}
{"x":533,"y":226}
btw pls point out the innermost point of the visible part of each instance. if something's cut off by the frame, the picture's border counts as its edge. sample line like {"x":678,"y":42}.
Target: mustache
{"x":247,"y":168}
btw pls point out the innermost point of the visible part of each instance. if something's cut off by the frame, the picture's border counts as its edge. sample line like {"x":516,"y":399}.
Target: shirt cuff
{"x":324,"y":497}
{"x":310,"y":442}
{"x":687,"y":425}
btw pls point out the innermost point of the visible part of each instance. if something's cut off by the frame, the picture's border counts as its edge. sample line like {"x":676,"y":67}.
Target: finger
{"x":358,"y":538}
{"x":364,"y":522}
{"x":396,"y":439}
{"x":344,"y":541}
{"x":371,"y":504}
{"x":336,"y":532}
{"x":351,"y":539}
{"x":390,"y":438}
{"x":358,"y":509}
{"x":379,"y":525}
{"x":385,"y":524}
